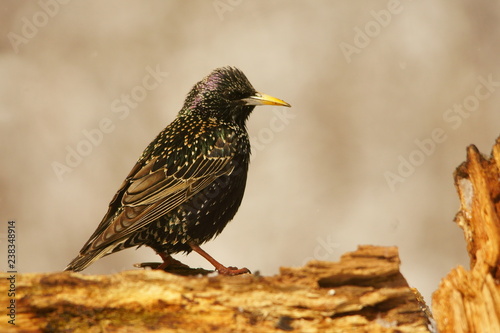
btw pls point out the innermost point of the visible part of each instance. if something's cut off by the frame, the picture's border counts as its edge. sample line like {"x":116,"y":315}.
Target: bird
{"x":189,"y":181}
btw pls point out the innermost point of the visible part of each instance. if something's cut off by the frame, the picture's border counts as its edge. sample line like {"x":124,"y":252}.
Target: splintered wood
{"x":364,"y":292}
{"x":469,"y":301}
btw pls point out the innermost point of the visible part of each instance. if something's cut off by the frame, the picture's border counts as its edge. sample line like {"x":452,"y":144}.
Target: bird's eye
{"x":232,"y":95}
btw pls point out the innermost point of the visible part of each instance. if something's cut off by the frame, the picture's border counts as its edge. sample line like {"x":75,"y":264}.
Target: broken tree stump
{"x":364,"y":292}
{"x":469,"y":301}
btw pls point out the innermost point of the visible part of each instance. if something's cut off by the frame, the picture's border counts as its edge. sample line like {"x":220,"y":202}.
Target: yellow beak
{"x":263,"y":99}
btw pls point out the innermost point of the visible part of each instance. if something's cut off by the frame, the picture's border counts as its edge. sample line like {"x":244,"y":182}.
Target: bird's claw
{"x":230,"y":270}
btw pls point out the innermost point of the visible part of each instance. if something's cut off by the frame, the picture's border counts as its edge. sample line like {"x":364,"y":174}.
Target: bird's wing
{"x":148,"y":194}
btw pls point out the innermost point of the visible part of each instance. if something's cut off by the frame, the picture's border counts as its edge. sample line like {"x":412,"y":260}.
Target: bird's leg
{"x":168,"y":261}
{"x":223,"y":270}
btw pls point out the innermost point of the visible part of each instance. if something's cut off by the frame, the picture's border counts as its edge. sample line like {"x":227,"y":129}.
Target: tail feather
{"x":83,"y":260}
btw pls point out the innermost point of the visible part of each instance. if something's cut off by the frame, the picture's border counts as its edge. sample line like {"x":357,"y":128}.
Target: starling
{"x":189,"y":182}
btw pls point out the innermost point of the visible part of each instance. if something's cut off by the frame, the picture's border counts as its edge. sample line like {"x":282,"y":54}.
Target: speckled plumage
{"x":189,"y":182}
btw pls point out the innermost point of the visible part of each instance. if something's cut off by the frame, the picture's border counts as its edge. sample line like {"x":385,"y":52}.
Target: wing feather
{"x":147,"y":195}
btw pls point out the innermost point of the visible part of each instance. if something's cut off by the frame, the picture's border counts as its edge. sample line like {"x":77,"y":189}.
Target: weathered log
{"x":469,"y":300}
{"x":364,"y":292}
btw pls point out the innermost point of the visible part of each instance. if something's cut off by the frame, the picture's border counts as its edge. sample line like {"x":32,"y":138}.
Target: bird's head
{"x":226,"y":94}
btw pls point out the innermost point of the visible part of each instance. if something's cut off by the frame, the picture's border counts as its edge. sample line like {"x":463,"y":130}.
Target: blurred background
{"x":386,"y":96}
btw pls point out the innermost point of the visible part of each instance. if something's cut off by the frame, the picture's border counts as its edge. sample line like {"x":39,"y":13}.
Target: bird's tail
{"x":83,"y":260}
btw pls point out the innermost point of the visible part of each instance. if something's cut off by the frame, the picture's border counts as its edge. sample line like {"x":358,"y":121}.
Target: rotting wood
{"x":469,"y":300}
{"x":363,"y":292}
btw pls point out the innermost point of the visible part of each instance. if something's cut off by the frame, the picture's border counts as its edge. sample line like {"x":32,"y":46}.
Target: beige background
{"x":317,"y":184}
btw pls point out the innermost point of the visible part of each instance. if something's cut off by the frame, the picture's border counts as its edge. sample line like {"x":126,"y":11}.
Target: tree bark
{"x":469,"y":300}
{"x":364,"y":292}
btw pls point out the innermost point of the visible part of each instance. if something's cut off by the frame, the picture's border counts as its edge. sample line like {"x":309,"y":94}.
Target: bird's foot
{"x":223,"y":270}
{"x":177,"y":269}
{"x":232,"y":270}
{"x":172,"y":263}
{"x":169,"y":262}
